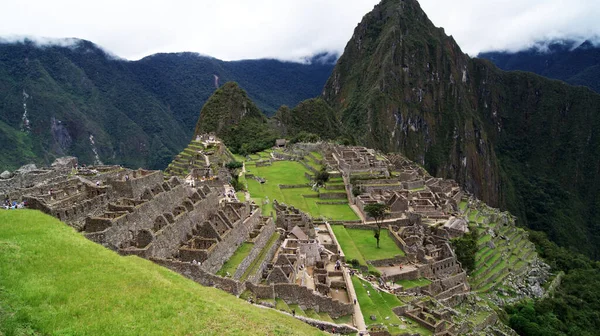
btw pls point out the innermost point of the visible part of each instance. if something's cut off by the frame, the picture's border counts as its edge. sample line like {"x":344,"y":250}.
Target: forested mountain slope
{"x":514,"y":139}
{"x":573,"y":62}
{"x":79,"y":100}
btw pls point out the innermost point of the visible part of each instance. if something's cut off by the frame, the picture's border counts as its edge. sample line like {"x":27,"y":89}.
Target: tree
{"x":465,"y":248}
{"x":378,"y":211}
{"x":233,"y":167}
{"x":322,"y":176}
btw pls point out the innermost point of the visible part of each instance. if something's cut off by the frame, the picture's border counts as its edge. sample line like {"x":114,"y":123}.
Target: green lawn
{"x":290,"y":172}
{"x":241,"y":196}
{"x":56,"y":282}
{"x":381,"y":304}
{"x":407,"y":284}
{"x":361,"y":245}
{"x":231,"y":265}
{"x":462,"y":206}
{"x":253,"y":268}
{"x":317,"y":155}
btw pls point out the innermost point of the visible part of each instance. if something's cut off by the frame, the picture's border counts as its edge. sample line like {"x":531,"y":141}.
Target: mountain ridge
{"x":140,"y":113}
{"x":575,"y":62}
{"x":515,"y":140}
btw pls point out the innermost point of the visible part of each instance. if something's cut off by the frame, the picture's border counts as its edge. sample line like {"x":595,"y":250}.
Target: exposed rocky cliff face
{"x":515,"y":140}
{"x":403,"y":85}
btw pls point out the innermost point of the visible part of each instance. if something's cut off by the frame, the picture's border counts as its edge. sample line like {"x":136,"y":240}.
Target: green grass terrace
{"x":360,"y":244}
{"x":304,"y":198}
{"x":380,"y":304}
{"x":231,"y":265}
{"x":56,"y":282}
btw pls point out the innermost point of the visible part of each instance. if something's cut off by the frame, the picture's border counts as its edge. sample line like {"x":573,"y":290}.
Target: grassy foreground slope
{"x":55,"y":282}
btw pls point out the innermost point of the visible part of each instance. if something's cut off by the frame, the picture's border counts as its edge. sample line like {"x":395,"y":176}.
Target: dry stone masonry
{"x":189,"y":220}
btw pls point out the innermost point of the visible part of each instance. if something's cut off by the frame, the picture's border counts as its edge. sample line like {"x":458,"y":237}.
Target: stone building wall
{"x":195,"y":273}
{"x":261,"y":291}
{"x":256,"y":277}
{"x":169,"y":238}
{"x":135,"y":186}
{"x":307,"y":299}
{"x":20,"y":181}
{"x":145,"y":214}
{"x":230,"y":242}
{"x":259,"y":243}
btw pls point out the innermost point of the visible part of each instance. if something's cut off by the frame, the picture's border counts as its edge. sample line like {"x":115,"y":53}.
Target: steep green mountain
{"x":573,"y":62}
{"x":233,"y":117}
{"x":311,"y":116}
{"x":515,"y":140}
{"x":78,"y":100}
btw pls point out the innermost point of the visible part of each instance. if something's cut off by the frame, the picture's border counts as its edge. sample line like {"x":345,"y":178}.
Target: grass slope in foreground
{"x":54,"y":281}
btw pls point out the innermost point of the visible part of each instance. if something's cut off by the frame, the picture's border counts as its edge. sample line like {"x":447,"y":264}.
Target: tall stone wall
{"x":307,"y":299}
{"x":230,"y":242}
{"x":256,"y":277}
{"x":195,"y":273}
{"x":259,"y":243}
{"x":134,"y":187}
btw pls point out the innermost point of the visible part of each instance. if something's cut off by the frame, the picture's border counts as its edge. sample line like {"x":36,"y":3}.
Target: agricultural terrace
{"x":304,"y":198}
{"x":380,"y":304}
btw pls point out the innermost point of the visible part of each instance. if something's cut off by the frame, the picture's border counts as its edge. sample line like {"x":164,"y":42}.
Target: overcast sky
{"x":284,"y":29}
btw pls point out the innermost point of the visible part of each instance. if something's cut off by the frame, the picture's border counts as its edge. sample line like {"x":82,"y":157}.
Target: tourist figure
{"x":293,"y":312}
{"x":126,"y":177}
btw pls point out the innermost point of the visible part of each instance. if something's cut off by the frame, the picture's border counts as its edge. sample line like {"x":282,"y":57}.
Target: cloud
{"x":288,"y":30}
{"x":514,"y":25}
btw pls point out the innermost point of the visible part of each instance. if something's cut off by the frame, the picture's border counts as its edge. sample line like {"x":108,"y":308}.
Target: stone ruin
{"x":355,"y":159}
{"x":191,"y":230}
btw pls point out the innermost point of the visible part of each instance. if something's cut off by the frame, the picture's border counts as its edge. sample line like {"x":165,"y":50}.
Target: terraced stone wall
{"x":231,"y":241}
{"x":259,"y":243}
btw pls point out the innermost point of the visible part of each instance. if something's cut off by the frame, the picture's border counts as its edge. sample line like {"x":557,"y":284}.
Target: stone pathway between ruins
{"x":359,"y":319}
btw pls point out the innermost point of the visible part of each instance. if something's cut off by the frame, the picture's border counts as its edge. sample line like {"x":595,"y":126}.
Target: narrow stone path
{"x":359,"y":320}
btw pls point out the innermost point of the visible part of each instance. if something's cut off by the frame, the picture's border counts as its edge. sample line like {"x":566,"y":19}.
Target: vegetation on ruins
{"x":321,"y":177}
{"x":303,"y":198}
{"x":377,"y":211}
{"x":234,"y":169}
{"x":572,"y":307}
{"x":55,"y":281}
{"x":466,"y":248}
{"x":357,"y":244}
{"x":380,"y":304}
